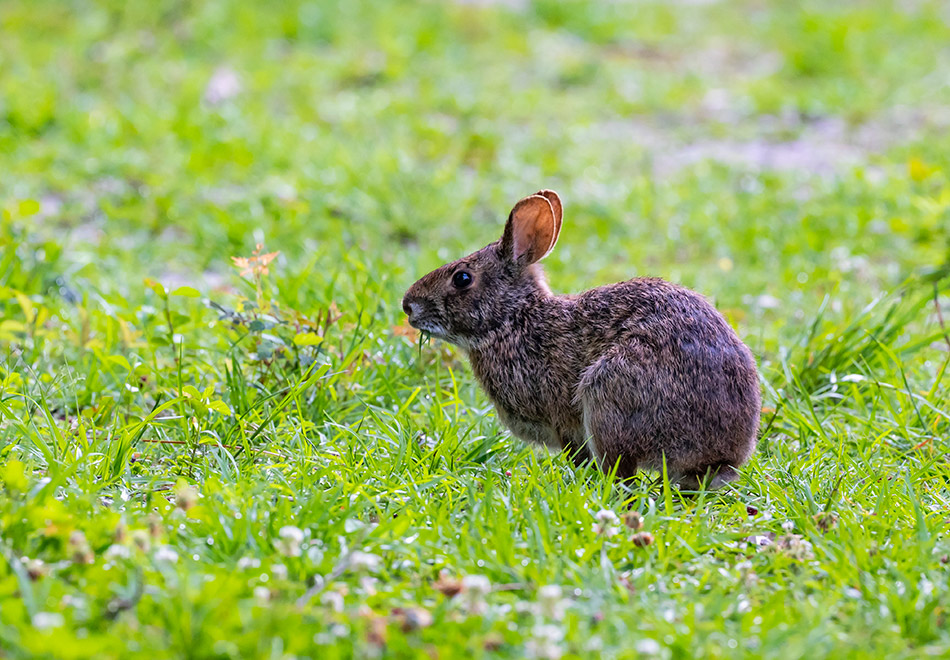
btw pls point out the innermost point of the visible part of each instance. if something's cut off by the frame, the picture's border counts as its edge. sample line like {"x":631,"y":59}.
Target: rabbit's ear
{"x":552,"y":197}
{"x":531,"y":230}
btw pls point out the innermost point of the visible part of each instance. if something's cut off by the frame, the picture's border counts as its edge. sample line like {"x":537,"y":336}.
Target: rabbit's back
{"x":666,"y":376}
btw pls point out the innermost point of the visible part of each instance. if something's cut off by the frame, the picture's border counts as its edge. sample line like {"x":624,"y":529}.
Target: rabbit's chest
{"x":533,"y":400}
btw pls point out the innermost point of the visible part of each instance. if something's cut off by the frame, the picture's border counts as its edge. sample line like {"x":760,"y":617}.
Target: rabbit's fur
{"x":626,"y":374}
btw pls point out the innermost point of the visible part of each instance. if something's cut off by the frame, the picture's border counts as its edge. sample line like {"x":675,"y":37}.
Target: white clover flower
{"x":315,"y":553}
{"x":77,"y":602}
{"x":474,"y":590}
{"x":224,"y":84}
{"x":333,"y":600}
{"x":47,"y":620}
{"x":117,"y":551}
{"x":476,"y":584}
{"x":788,"y":526}
{"x":165,"y":554}
{"x":545,"y":642}
{"x":261,"y":594}
{"x":279,"y":571}
{"x":186,"y":496}
{"x":245,"y":563}
{"x":290,"y":539}
{"x":550,"y":602}
{"x":364,"y":561}
{"x":795,"y":546}
{"x":35,"y":568}
{"x":291,"y":533}
{"x":648,"y":647}
{"x":607,"y":523}
{"x":368,"y":585}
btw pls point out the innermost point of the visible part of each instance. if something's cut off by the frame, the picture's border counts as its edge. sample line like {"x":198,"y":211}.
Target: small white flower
{"x":607,"y":523}
{"x":788,"y":526}
{"x":47,"y":620}
{"x":77,"y":602}
{"x":165,"y":554}
{"x":550,"y":602}
{"x":36,"y":568}
{"x":290,"y":539}
{"x":116,"y":551}
{"x":474,"y":590}
{"x":245,"y":563}
{"x":478,"y":584}
{"x":648,"y":647}
{"x":261,"y":594}
{"x":368,"y":585}
{"x":364,"y":561}
{"x":315,"y":553}
{"x":224,"y":84}
{"x":545,"y":642}
{"x":291,"y":533}
{"x":333,"y":600}
{"x":606,"y":516}
{"x":279,"y":571}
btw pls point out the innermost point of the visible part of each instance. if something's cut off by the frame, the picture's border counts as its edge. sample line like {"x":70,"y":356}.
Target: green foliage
{"x":212,"y":450}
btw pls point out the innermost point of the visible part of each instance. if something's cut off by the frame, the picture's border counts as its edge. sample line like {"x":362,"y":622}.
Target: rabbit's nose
{"x":411,"y":308}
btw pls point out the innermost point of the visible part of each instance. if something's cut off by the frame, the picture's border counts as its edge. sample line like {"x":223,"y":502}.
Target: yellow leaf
{"x":157,"y":287}
{"x":186,"y":292}
{"x":29,"y":207}
{"x":918,"y":169}
{"x":307,"y":339}
{"x":12,"y":326}
{"x":26,"y":305}
{"x":220,"y":406}
{"x":121,"y":361}
{"x":13,"y":476}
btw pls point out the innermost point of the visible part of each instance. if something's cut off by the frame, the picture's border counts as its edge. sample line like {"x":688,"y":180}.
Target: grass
{"x":208,"y":457}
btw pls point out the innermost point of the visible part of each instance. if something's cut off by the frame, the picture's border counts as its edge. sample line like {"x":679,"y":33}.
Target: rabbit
{"x":629,"y":374}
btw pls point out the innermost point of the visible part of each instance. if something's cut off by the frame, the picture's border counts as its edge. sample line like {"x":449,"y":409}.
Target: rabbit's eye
{"x":462,"y":280}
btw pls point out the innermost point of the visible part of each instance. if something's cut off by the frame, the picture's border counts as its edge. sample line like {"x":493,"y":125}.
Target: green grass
{"x":196,"y":463}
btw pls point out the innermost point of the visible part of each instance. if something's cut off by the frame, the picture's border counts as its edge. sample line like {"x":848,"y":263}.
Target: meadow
{"x":220,"y":439}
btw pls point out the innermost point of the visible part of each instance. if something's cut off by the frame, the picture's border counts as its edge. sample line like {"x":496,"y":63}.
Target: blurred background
{"x":767,"y":153}
{"x":210,"y":210}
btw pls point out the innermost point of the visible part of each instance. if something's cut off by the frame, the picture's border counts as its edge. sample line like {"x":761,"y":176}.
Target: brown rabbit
{"x":626,"y":374}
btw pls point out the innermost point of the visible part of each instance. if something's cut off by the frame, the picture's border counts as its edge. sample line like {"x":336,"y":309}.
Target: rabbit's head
{"x":462,"y":302}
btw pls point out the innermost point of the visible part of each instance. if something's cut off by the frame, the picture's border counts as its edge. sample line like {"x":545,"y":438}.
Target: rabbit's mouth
{"x":431,"y":329}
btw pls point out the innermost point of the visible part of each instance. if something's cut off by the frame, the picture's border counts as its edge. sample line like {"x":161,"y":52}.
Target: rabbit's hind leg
{"x":614,"y":426}
{"x":712,"y":478}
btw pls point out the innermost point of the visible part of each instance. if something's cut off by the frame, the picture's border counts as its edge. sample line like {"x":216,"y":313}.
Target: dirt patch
{"x":821,"y":146}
